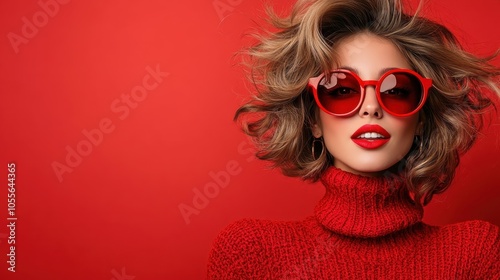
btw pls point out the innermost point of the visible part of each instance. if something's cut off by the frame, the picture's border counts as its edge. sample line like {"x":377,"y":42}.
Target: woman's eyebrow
{"x":382,"y":71}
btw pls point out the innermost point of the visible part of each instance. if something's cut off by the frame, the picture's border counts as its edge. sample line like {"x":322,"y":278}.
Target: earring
{"x":319,"y":142}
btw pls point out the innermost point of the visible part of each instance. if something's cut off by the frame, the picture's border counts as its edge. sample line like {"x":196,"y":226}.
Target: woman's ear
{"x":316,"y":131}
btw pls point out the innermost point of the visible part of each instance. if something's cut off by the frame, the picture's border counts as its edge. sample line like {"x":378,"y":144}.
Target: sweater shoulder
{"x":480,"y":241}
{"x":474,"y":235}
{"x":254,"y":230}
{"x":244,"y":243}
{"x":481,"y":233}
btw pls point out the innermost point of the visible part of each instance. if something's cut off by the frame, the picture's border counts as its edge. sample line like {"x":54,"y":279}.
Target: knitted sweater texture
{"x":363,"y":228}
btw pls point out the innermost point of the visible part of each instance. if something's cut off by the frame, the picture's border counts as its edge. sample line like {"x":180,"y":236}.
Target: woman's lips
{"x":370,"y":136}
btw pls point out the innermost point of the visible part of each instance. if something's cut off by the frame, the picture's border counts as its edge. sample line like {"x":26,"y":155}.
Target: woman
{"x":378,"y":105}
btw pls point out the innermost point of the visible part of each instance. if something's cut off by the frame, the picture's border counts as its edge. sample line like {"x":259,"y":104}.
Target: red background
{"x":117,"y":213}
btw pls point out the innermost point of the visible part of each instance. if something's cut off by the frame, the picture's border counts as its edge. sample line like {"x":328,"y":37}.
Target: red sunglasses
{"x":400,"y":92}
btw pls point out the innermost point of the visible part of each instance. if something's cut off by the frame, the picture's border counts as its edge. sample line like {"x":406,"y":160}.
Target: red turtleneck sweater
{"x":363,"y":228}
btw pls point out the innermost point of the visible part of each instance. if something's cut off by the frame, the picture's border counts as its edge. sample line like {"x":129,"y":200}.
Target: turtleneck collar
{"x":360,"y":206}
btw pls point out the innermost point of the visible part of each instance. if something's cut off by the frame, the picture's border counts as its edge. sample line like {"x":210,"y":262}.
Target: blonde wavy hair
{"x":280,"y":114}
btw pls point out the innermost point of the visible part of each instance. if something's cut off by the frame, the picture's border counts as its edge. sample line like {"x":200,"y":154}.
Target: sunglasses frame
{"x":426,"y":84}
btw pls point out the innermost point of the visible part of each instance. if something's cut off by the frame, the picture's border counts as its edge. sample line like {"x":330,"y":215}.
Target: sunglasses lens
{"x":341,"y":94}
{"x":401,"y":93}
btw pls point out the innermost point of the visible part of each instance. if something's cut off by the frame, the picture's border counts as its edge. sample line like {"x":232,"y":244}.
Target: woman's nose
{"x":370,"y":106}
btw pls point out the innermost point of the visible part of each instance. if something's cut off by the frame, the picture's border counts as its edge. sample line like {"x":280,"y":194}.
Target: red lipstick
{"x":370,"y":136}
